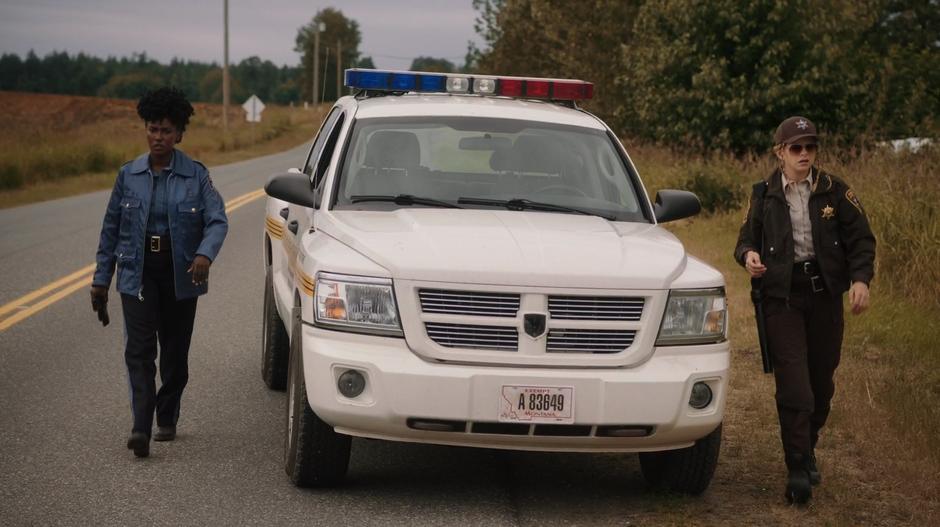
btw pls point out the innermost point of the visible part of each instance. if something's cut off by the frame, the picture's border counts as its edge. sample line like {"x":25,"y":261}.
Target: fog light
{"x":701,"y":396}
{"x":351,"y":383}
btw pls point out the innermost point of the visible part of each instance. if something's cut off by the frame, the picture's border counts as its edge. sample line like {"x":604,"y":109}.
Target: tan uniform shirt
{"x":798,"y":200}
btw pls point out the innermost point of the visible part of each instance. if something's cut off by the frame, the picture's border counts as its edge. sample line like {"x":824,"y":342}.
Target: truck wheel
{"x":314,"y":454}
{"x":275,"y":344}
{"x":687,"y":470}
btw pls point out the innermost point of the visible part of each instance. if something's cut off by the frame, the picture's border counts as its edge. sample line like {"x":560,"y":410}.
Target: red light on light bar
{"x":538,"y":89}
{"x":510,"y":87}
{"x":572,"y":90}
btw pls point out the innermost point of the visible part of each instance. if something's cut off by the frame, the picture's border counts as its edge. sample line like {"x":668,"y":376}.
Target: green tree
{"x":130,"y":85}
{"x":366,"y":62}
{"x":11,"y":67}
{"x":722,"y":74}
{"x":339,"y":29}
{"x":210,"y":87}
{"x":432,"y":64}
{"x":559,"y":39}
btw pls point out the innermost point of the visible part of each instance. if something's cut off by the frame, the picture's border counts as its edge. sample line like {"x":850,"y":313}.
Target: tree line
{"x":723,"y":73}
{"x":130,"y":77}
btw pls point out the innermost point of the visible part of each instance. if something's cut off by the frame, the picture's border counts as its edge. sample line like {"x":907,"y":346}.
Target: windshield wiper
{"x":406,"y":199}
{"x":523,"y":204}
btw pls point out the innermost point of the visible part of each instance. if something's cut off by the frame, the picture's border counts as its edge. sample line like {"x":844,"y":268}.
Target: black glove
{"x":99,"y":303}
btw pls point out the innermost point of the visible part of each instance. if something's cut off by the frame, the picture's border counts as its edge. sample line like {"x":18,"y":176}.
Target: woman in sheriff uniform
{"x":807,"y":238}
{"x":162,"y":229}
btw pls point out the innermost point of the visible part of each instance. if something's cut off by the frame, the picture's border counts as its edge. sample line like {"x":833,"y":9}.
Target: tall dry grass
{"x":47,"y":138}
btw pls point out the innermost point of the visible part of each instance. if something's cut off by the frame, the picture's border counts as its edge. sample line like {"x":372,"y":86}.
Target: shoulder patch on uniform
{"x":853,"y":199}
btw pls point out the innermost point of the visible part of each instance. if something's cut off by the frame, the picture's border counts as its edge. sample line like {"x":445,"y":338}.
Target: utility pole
{"x":225,"y":87}
{"x":339,"y":69}
{"x":320,"y":26}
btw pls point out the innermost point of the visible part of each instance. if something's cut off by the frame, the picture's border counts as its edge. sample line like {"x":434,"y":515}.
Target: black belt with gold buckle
{"x":159,"y":244}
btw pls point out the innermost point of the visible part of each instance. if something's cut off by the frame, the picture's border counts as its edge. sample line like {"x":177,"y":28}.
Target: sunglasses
{"x":798,"y":149}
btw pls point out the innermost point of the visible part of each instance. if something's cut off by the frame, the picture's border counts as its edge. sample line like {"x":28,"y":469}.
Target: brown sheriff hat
{"x":793,"y":129}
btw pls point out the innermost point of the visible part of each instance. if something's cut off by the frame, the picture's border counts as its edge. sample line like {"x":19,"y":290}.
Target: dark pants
{"x":805,"y":337}
{"x":159,"y":317}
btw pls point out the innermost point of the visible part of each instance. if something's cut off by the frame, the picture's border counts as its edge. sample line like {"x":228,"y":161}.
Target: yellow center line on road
{"x":23,"y":307}
{"x":24,"y":301}
{"x":46,"y":302}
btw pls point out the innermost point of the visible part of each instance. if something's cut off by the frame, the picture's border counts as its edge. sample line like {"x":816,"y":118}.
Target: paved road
{"x":64,"y":413}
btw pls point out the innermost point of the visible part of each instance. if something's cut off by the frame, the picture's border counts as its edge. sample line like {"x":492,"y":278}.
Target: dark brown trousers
{"x":805,"y":337}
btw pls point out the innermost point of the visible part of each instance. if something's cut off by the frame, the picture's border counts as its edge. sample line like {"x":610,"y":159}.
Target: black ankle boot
{"x":799,"y":489}
{"x":814,"y":477}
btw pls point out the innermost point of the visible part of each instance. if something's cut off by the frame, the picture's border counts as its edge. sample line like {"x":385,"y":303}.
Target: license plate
{"x":536,"y":404}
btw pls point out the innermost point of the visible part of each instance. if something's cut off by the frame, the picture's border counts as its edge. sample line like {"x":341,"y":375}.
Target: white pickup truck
{"x":473,"y":261}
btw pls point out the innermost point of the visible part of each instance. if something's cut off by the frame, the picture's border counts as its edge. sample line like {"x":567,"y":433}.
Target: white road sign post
{"x":253,"y":108}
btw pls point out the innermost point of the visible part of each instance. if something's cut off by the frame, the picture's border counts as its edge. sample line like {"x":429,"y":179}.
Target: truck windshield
{"x":475,"y":161}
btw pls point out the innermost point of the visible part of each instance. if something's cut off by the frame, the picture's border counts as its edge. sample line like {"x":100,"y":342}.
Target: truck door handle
{"x":285,"y":212}
{"x":292,"y":226}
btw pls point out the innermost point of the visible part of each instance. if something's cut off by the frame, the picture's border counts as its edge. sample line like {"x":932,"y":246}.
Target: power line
{"x":367,"y":54}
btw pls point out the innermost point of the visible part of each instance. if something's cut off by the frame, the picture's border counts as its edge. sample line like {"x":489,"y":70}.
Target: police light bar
{"x":426,"y":82}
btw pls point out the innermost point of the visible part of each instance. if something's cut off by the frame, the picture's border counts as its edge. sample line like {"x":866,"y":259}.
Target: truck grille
{"x":595,"y":308}
{"x":474,"y":337}
{"x":469,"y":303}
{"x":589,"y":340}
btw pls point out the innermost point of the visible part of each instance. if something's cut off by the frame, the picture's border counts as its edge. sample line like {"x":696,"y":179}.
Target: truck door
{"x":300,"y":219}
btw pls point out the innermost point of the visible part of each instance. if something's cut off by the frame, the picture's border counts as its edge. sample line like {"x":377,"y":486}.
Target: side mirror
{"x":290,"y":187}
{"x":674,"y":205}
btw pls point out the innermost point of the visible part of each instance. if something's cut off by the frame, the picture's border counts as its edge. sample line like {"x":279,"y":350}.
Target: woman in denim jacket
{"x":163,"y":228}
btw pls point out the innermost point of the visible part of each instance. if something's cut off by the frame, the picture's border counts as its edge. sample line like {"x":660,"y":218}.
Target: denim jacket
{"x":196,"y":213}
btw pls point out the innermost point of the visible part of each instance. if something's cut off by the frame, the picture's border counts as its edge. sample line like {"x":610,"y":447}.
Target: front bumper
{"x":400,"y":387}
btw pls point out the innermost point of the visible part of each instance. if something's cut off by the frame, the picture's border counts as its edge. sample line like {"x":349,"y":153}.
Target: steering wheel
{"x":566,"y":189}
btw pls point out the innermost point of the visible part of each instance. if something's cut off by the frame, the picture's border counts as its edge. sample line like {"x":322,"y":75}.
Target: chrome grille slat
{"x":589,"y":340}
{"x":469,"y":302}
{"x":595,"y":308}
{"x":473,"y":337}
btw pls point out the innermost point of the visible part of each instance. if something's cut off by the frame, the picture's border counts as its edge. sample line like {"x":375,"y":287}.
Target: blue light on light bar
{"x":367,"y":80}
{"x":394,"y":81}
{"x":433,"y":83}
{"x":404,"y":82}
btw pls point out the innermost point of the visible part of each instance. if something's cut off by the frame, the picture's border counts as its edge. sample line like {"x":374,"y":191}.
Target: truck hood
{"x":513,"y":248}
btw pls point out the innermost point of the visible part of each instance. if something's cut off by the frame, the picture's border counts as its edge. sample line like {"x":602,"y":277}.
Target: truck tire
{"x":687,"y":470}
{"x":314,"y":454}
{"x":275,"y":343}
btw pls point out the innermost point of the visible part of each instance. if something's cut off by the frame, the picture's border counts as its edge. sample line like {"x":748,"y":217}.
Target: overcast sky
{"x":393,"y":31}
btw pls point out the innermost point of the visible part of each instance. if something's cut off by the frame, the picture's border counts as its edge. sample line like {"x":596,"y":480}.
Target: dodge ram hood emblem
{"x":534,"y":325}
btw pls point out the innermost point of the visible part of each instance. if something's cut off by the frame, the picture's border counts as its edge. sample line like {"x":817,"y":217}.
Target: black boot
{"x":814,"y":477}
{"x":139,"y":442}
{"x":799,"y":489}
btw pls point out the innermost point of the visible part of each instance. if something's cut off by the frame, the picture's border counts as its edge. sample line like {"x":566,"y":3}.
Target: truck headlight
{"x":694,"y":316}
{"x":356,"y":303}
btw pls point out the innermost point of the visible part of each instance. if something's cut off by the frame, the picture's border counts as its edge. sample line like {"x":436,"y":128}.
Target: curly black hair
{"x":167,"y":102}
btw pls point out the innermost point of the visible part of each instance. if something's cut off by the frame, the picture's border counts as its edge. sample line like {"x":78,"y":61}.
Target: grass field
{"x":59,"y":145}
